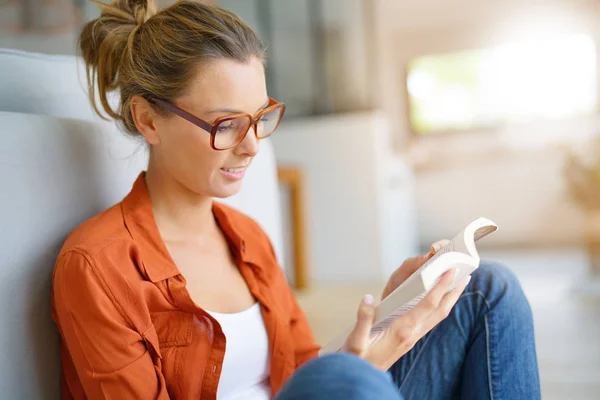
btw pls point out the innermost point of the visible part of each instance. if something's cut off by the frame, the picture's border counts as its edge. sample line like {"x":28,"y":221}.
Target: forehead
{"x":228,"y":83}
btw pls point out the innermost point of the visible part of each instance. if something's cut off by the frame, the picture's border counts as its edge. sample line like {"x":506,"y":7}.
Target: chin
{"x":227,"y":191}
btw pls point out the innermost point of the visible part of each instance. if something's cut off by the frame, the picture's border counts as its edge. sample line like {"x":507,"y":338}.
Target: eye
{"x":265,"y":118}
{"x":225,"y":127}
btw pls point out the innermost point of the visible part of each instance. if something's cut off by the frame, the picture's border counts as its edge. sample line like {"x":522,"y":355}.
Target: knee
{"x":338,"y":362}
{"x":340,"y":375}
{"x":500,"y":288}
{"x":342,"y":366}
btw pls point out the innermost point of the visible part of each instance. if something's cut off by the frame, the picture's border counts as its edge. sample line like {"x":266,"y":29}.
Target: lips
{"x":234,"y":173}
{"x":234,"y":170}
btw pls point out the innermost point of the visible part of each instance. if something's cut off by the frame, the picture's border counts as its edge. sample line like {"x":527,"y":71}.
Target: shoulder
{"x":99,"y":244}
{"x":96,"y":233}
{"x":96,"y":268}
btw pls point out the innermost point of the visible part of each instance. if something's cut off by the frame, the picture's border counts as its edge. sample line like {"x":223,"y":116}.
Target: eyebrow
{"x":233,"y":111}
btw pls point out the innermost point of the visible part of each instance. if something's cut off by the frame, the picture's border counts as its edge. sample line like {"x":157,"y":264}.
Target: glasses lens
{"x":268,"y":122}
{"x":230,"y":132}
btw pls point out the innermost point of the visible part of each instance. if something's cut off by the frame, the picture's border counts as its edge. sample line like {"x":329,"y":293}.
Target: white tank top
{"x":246,"y":366}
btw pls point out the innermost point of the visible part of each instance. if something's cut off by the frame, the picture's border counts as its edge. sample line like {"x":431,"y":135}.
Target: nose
{"x":248,"y":146}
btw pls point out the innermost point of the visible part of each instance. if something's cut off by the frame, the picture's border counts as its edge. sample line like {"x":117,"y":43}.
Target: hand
{"x":402,"y":334}
{"x":409,"y":266}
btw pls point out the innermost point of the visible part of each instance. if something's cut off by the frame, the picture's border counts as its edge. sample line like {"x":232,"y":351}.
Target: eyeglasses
{"x":227,"y":132}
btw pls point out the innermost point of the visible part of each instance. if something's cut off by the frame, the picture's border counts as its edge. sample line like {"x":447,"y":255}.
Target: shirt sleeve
{"x":112,"y":359}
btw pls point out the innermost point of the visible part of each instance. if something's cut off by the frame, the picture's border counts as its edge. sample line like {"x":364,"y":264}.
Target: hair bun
{"x":141,"y":10}
{"x":128,"y":11}
{"x":106,"y":40}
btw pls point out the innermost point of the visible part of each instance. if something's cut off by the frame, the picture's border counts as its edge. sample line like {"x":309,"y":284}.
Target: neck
{"x":180,"y":214}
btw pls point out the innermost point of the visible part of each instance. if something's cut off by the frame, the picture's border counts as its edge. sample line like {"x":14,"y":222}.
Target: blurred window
{"x":542,"y":78}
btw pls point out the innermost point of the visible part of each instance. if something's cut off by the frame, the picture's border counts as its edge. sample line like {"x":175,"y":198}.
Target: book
{"x":460,"y":253}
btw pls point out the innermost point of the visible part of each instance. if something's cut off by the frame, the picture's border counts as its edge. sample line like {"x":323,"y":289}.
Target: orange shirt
{"x":129,"y":328}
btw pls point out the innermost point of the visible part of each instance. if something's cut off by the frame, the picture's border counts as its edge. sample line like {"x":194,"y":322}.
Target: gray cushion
{"x":43,"y":84}
{"x":55,"y":173}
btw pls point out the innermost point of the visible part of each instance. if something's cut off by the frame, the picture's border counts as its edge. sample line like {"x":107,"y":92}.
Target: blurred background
{"x":407,"y":120}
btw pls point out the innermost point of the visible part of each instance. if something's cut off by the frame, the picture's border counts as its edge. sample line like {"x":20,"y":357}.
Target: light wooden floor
{"x":567,"y":319}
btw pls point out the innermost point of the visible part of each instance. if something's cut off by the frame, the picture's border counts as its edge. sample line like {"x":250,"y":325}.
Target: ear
{"x":145,"y":118}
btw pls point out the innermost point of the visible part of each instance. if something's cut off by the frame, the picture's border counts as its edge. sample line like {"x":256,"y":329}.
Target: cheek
{"x":186,"y":149}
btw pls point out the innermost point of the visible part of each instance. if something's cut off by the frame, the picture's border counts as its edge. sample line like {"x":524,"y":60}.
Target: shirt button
{"x":214,"y":368}
{"x":243,"y":247}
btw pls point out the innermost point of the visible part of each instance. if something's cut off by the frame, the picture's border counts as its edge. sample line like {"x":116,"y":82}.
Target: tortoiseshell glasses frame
{"x":229,"y":131}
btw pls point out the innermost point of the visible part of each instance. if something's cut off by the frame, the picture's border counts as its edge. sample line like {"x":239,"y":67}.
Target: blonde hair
{"x":135,"y":50}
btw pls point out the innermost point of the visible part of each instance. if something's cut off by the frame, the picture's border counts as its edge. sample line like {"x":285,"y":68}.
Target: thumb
{"x":359,"y":338}
{"x":437,"y":246}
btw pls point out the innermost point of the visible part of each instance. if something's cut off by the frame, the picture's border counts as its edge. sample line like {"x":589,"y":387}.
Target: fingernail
{"x":468,"y":280}
{"x":368,"y":299}
{"x":435,"y":247}
{"x":455,"y":274}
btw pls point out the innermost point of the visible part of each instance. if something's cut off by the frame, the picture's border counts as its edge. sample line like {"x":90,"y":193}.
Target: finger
{"x":431,"y":301}
{"x":358,"y":339}
{"x":437,"y":246}
{"x":446,"y":305}
{"x":411,"y":265}
{"x":407,"y":329}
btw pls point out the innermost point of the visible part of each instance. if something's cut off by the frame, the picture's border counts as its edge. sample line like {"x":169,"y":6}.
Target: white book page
{"x":465,"y":241}
{"x":380,"y":327}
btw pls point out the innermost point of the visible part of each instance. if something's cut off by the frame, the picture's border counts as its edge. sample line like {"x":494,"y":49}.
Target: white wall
{"x":360,"y":208}
{"x":515,"y":177}
{"x":522,"y":192}
{"x":511,"y":174}
{"x":411,"y":28}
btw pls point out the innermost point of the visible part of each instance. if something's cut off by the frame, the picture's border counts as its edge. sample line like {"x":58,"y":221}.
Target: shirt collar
{"x":155,"y":258}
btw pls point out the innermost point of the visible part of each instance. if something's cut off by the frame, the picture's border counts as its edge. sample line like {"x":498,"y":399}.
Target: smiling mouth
{"x":234,"y":170}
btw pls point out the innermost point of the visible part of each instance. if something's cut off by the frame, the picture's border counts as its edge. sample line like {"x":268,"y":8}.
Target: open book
{"x":460,"y":253}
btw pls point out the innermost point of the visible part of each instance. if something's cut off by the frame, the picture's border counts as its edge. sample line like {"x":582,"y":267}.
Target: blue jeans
{"x":485,"y":349}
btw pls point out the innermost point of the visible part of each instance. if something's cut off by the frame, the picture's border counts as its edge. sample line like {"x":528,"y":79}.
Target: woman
{"x":171,"y":295}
